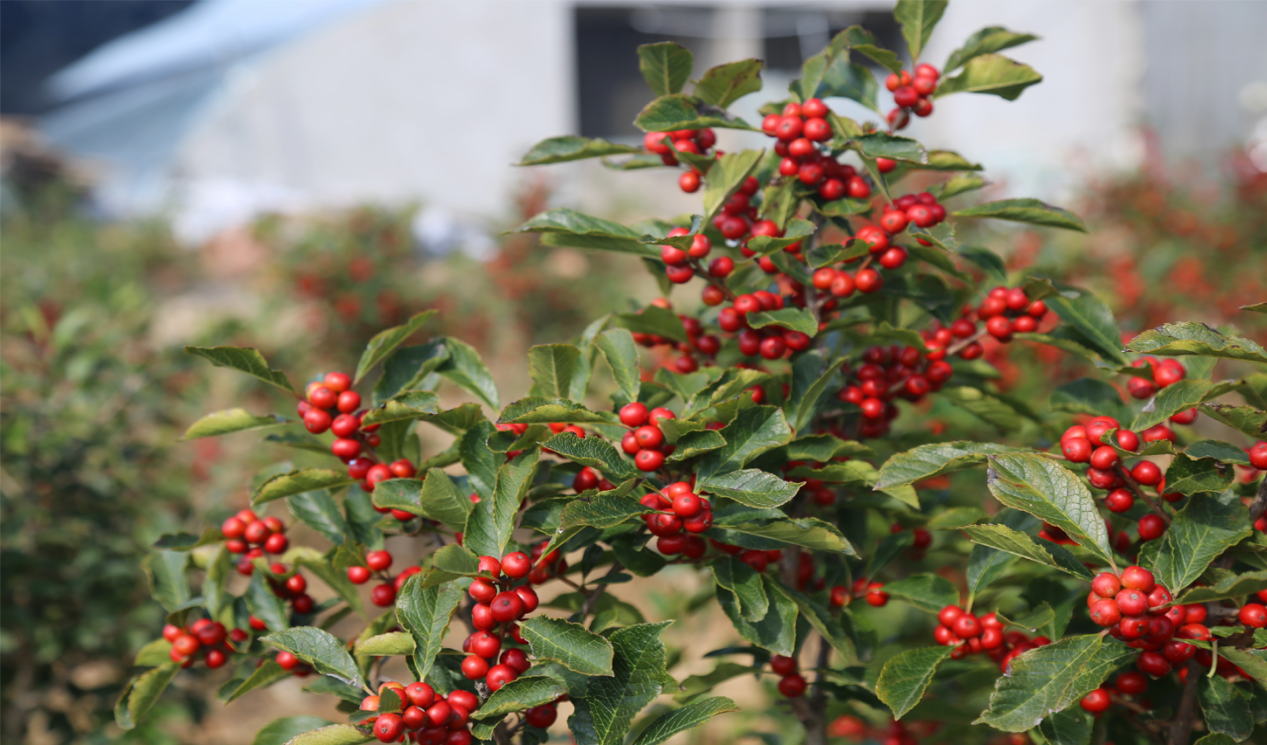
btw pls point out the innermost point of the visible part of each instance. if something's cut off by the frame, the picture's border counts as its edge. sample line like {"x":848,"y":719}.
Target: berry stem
{"x":954,"y":349}
{"x":1133,"y":485}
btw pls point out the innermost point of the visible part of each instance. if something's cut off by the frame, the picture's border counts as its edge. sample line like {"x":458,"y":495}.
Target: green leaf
{"x":696,"y":685}
{"x":665,"y":66}
{"x":1224,"y":452}
{"x":1177,"y":339}
{"x":753,"y":432}
{"x":1050,"y":679}
{"x":604,"y":715}
{"x":391,"y":644}
{"x":1049,"y":491}
{"x":1023,"y":545}
{"x":653,"y":320}
{"x":282,"y":731}
{"x":480,"y":462}
{"x":962,"y":184}
{"x":593,"y":452}
{"x":536,"y":410}
{"x":246,"y":360}
{"x":168,"y":583}
{"x":563,"y":149}
{"x":894,"y":147}
{"x":141,"y":693}
{"x":725,"y":178}
{"x":776,"y":631}
{"x":362,"y":519}
{"x":905,"y":677}
{"x":750,"y":487}
{"x":845,"y":79}
{"x":993,"y":74}
{"x":1225,"y":708}
{"x":492,"y":520}
{"x":188,"y":541}
{"x":1247,"y":419}
{"x":318,"y":510}
{"x":1089,"y":396}
{"x":1030,"y":211}
{"x":569,"y":644}
{"x":1188,"y":476}
{"x":229,"y":421}
{"x":571,"y":228}
{"x":404,"y":406}
{"x":1252,"y":661}
{"x":606,"y":510}
{"x":1235,"y":586}
{"x":298,"y":482}
{"x":335,"y":734}
{"x":1069,"y":727}
{"x":336,"y":578}
{"x":1088,"y":316}
{"x":408,"y":367}
{"x":674,"y":112}
{"x":990,"y":408}
{"x":770,"y":529}
{"x":927,"y":461}
{"x":621,"y":353}
{"x":517,"y":695}
{"x":441,"y":500}
{"x":552,"y":367}
{"x":858,"y":39}
{"x":301,"y":441}
{"x":323,"y":651}
{"x":465,"y":368}
{"x":955,"y":517}
{"x":671,"y":723}
{"x":265,"y":675}
{"x":988,"y":261}
{"x":424,"y":612}
{"x":386,"y":341}
{"x":214,"y":596}
{"x":797,"y":319}
{"x":823,"y":622}
{"x":985,"y":565}
{"x":1208,"y":525}
{"x":724,"y":84}
{"x":918,"y":17}
{"x":693,"y":444}
{"x":1178,"y":397}
{"x":795,"y":231}
{"x":925,"y":591}
{"x":264,"y":604}
{"x":986,"y":41}
{"x":746,"y":585}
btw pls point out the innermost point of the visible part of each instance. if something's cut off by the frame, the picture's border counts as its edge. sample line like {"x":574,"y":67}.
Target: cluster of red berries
{"x":247,"y":534}
{"x":499,"y":606}
{"x":889,"y":372}
{"x":970,"y":634}
{"x":206,"y":636}
{"x":894,"y":733}
{"x":1129,"y":683}
{"x":802,"y":130}
{"x":873,"y":592}
{"x":1004,"y":312}
{"x":422,"y":715}
{"x":1167,"y":372}
{"x":791,"y":683}
{"x":383,"y":594}
{"x":680,"y":515}
{"x":694,"y":141}
{"x":911,"y":96}
{"x":644,"y":440}
{"x":680,"y":265}
{"x":770,"y":342}
{"x":1138,"y":611}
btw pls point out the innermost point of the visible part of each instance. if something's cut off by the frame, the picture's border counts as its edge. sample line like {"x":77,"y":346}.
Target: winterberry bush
{"x":1091,"y":573}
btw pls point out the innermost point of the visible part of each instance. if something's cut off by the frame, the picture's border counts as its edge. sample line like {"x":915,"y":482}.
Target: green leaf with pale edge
{"x":571,"y":228}
{"x":746,"y":585}
{"x":320,"y":649}
{"x":1023,"y":545}
{"x":770,"y":529}
{"x":1225,"y":708}
{"x":795,"y":231}
{"x":569,"y":644}
{"x":986,"y":41}
{"x":671,"y":723}
{"x":298,"y":482}
{"x":424,"y":612}
{"x":1237,"y":585}
{"x":246,"y":360}
{"x":1030,"y":211}
{"x":844,"y":79}
{"x":141,"y":693}
{"x":725,"y":178}
{"x":265,"y":675}
{"x":592,"y":452}
{"x":404,"y":406}
{"x":1208,"y":525}
{"x":621,"y":353}
{"x":1189,"y":476}
{"x":1177,"y":339}
{"x":927,"y":461}
{"x":386,"y":341}
{"x":925,"y":591}
{"x":751,"y":487}
{"x":519,"y":694}
{"x":665,"y":66}
{"x":1050,"y":679}
{"x":776,"y":631}
{"x":918,"y":17}
{"x":993,"y":74}
{"x":282,"y":731}
{"x":1247,"y":419}
{"x":962,"y":184}
{"x":753,"y":432}
{"x":563,"y":149}
{"x":319,"y":511}
{"x":606,"y":510}
{"x":692,"y":444}
{"x":724,"y":84}
{"x":229,"y":421}
{"x":465,"y":368}
{"x":797,"y":319}
{"x":669,"y":113}
{"x":214,"y":596}
{"x":552,"y":367}
{"x":335,"y":734}
{"x":165,"y":571}
{"x":1049,"y":491}
{"x":1225,"y":452}
{"x":391,"y":644}
{"x":604,"y":715}
{"x":905,"y":677}
{"x":537,"y":410}
{"x":893,"y":147}
{"x":480,"y":462}
{"x":188,"y":541}
{"x":1178,"y":397}
{"x":492,"y":520}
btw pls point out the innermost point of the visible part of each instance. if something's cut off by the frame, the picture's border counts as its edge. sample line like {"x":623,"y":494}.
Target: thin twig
{"x":1181,"y":725}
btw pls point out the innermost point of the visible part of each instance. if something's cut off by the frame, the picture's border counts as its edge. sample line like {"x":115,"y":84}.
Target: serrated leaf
{"x":725,"y":178}
{"x":1207,"y":526}
{"x":265,"y":675}
{"x":665,"y":66}
{"x":776,"y":631}
{"x":480,"y":462}
{"x":1237,"y":585}
{"x":986,"y":41}
{"x":653,"y":320}
{"x":990,"y":408}
{"x":424,"y":612}
{"x":746,"y":585}
{"x":403,"y":406}
{"x":441,"y":500}
{"x":243,"y":359}
{"x":1030,"y":211}
{"x":770,"y":529}
{"x":678,"y":111}
{"x":893,"y":147}
{"x":320,"y":649}
{"x":751,"y":487}
{"x":1252,"y":661}
{"x":571,"y":228}
{"x":795,"y":231}
{"x":362,"y":519}
{"x":918,"y":17}
{"x":1247,"y":419}
{"x":604,"y":715}
{"x":621,"y":353}
{"x":927,"y":592}
{"x":1072,"y":726}
{"x":492,"y":521}
{"x":1088,"y":396}
{"x":797,"y":319}
{"x":1224,"y":452}
{"x":1178,"y":397}
{"x":592,"y":452}
{"x":335,"y":578}
{"x":1177,"y":339}
{"x":1050,"y":679}
{"x":465,"y":368}
{"x":391,"y":644}
{"x":386,"y":341}
{"x":671,"y":723}
{"x":408,"y":367}
{"x":844,"y":79}
{"x":552,"y":367}
{"x":993,"y":74}
{"x":282,"y":731}
{"x":988,"y":261}
{"x":1023,"y":545}
{"x":165,"y":570}
{"x":905,"y":677}
{"x":318,"y":510}
{"x":141,"y":693}
{"x":692,"y":444}
{"x":568,"y":148}
{"x":724,"y":84}
{"x":569,"y":644}
{"x":1225,"y":708}
{"x":1089,"y":316}
{"x":858,"y":39}
{"x":519,"y":694}
{"x":985,"y":565}
{"x":606,"y":510}
{"x":1049,"y":491}
{"x":335,"y":734}
{"x":927,"y":461}
{"x":753,"y":432}
{"x":298,"y":482}
{"x":823,"y":622}
{"x":1189,"y":476}
{"x":536,"y":410}
{"x":229,"y":421}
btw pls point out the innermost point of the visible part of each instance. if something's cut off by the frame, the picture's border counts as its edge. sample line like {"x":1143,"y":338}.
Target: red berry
{"x":516,"y":565}
{"x":378,"y":560}
{"x":1146,"y":473}
{"x":383,"y":595}
{"x":349,"y":401}
{"x":1253,"y":614}
{"x":541,"y":716}
{"x":500,"y":675}
{"x":1096,"y":701}
{"x":1151,"y":527}
{"x":506,"y":606}
{"x":649,"y":460}
{"x":792,"y":685}
{"x":1138,"y":578}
